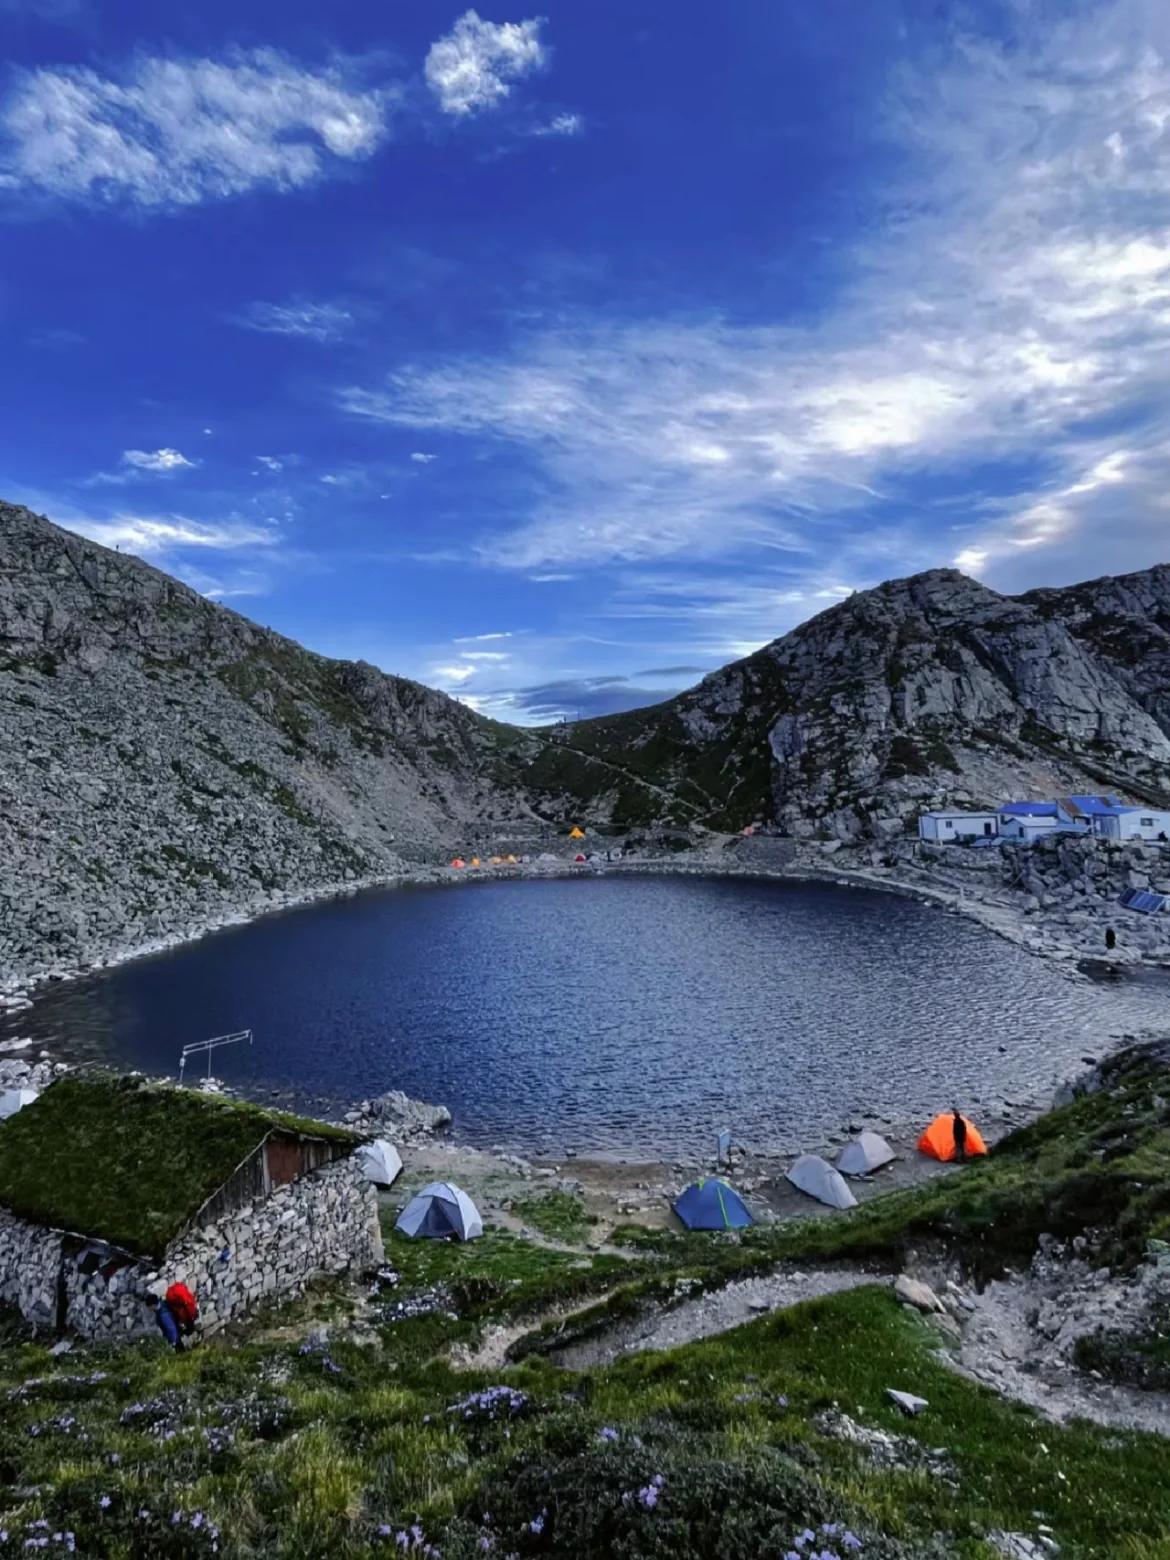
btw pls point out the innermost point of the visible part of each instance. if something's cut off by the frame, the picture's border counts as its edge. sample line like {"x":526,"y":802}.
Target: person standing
{"x":960,"y":1129}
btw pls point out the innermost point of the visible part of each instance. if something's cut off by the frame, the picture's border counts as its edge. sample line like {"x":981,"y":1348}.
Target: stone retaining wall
{"x":30,"y":1263}
{"x":326,"y":1222}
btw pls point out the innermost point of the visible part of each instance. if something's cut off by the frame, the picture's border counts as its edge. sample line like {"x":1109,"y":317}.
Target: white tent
{"x":13,"y":1100}
{"x":380,"y":1161}
{"x":816,"y":1177}
{"x":866,"y":1153}
{"x":439,"y":1210}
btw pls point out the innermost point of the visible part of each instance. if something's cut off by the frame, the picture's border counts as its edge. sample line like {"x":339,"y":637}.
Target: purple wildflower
{"x":537,"y":1524}
{"x":850,"y":1540}
{"x":608,"y":1434}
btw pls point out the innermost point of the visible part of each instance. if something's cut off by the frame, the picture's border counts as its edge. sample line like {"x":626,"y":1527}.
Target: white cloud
{"x":479,"y":639}
{"x":1017,"y":297}
{"x":270,"y":462}
{"x":317,"y":321}
{"x":486,"y":655}
{"x":421,"y":458}
{"x":473,"y":66}
{"x":153,"y":535}
{"x":156,"y":460}
{"x":562,"y":125}
{"x":176,"y":132}
{"x":453,"y":674}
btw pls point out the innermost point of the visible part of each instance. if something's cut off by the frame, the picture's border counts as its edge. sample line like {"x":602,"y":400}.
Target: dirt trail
{"x":712,"y":1313}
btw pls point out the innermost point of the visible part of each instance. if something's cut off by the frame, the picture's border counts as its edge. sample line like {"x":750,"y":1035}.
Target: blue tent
{"x":712,"y":1205}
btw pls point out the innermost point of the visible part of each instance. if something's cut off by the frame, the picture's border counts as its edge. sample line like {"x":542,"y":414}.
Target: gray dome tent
{"x":380,"y":1162}
{"x":13,"y":1100}
{"x":816,"y":1177}
{"x":440,"y":1210}
{"x":865,"y":1154}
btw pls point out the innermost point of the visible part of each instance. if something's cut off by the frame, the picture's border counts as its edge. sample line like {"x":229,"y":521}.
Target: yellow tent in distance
{"x":576,"y":834}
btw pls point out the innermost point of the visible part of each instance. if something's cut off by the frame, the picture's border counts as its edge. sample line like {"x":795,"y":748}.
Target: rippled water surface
{"x":631,"y":1013}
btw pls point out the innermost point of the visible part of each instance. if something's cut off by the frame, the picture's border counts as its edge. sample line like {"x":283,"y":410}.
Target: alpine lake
{"x":625,"y":1014}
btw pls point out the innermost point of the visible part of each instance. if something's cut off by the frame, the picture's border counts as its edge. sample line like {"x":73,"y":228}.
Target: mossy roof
{"x":128,"y":1161}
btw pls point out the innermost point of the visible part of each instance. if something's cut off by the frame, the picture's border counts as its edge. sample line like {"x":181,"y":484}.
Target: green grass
{"x":306,"y":1454}
{"x":129,"y":1162}
{"x":559,"y":1215}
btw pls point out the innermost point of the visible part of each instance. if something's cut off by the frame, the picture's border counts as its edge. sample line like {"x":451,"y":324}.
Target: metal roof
{"x":1097,"y":806}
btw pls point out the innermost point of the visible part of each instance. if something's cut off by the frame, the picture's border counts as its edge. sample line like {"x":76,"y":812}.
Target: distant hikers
{"x":176,"y":1315}
{"x":1110,"y":938}
{"x":960,"y":1128}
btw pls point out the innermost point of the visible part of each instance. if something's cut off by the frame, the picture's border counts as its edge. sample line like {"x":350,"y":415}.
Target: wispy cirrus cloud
{"x":321,"y":321}
{"x":1012,"y":313}
{"x":153,"y":534}
{"x":171,"y":131}
{"x":561,"y":125}
{"x":474,"y":65}
{"x":164,"y":460}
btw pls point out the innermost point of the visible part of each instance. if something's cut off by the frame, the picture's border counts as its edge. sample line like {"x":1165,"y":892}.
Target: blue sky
{"x":556,"y":356}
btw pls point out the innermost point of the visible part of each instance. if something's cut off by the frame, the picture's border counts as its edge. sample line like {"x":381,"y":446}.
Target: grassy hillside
{"x":367,"y":1441}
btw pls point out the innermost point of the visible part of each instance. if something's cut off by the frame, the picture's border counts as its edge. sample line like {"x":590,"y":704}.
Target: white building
{"x":1135,"y":823}
{"x":1027,"y":822}
{"x":950,"y":827}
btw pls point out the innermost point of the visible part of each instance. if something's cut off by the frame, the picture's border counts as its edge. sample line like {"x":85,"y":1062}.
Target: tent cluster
{"x":714,"y":1204}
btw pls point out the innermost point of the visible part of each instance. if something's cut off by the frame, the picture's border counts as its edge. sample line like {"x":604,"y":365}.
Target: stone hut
{"x":109,"y":1185}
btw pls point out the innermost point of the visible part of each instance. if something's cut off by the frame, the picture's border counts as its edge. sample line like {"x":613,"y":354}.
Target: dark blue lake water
{"x":626,"y":1013}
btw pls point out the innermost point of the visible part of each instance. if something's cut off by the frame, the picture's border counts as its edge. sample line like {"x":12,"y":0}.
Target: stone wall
{"x":30,"y":1262}
{"x":326,"y":1222}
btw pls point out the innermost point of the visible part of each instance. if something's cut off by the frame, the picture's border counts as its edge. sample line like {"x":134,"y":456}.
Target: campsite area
{"x":559,"y":1388}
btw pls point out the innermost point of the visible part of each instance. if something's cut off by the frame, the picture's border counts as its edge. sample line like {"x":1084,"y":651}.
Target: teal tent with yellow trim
{"x":712,"y":1205}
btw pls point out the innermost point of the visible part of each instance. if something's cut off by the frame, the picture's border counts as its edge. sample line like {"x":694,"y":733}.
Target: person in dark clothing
{"x":960,"y":1135}
{"x":1110,"y":938}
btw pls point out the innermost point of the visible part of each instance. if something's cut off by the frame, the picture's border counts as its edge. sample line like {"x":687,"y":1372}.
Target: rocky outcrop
{"x":929,"y":690}
{"x":396,"y":1113}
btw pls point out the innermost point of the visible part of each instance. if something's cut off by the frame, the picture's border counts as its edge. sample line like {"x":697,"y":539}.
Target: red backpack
{"x":184,"y":1307}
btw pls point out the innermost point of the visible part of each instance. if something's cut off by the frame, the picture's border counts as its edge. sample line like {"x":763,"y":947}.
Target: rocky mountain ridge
{"x":927,"y":690}
{"x":166,"y":764}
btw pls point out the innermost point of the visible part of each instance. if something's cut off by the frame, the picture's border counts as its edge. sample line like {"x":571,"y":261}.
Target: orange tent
{"x":475,"y":861}
{"x":939,"y":1138}
{"x":459,"y":862}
